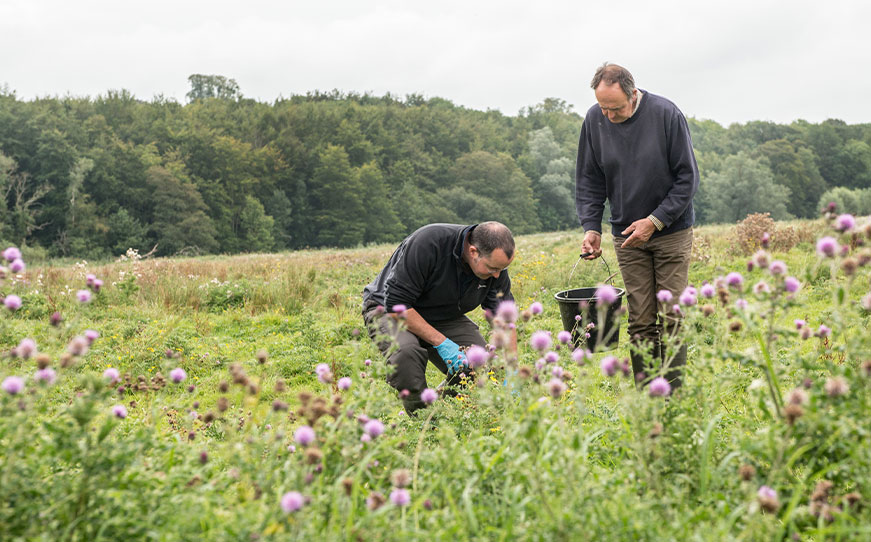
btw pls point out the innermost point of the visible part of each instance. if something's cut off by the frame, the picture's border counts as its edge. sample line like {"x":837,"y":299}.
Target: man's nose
{"x":495,"y":274}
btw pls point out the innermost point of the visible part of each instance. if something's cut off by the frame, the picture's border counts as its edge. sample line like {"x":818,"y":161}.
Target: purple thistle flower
{"x":540,"y":340}
{"x":845,"y":222}
{"x":399,"y":309}
{"x":12,"y":302}
{"x":178,"y":375}
{"x":556,"y":387}
{"x":564,"y":337}
{"x":536,"y":308}
{"x":119,"y":411}
{"x":13,"y":385}
{"x":84,"y":296}
{"x":429,"y":396}
{"x":799,"y":323}
{"x":344,"y":383}
{"x":112,"y":375}
{"x":47,"y":375}
{"x":687,"y":298}
{"x":609,"y":365}
{"x":292,"y":501}
{"x":606,"y":294}
{"x":89,"y":279}
{"x":477,"y":356}
{"x":373,"y":428}
{"x":56,"y":318}
{"x":507,"y":311}
{"x":304,"y":435}
{"x":17,"y":265}
{"x":734,"y":279}
{"x":659,"y":387}
{"x":581,"y":355}
{"x":791,"y":284}
{"x":664,"y":296}
{"x":827,"y":246}
{"x":766,"y":492}
{"x":97,"y":285}
{"x":557,"y":371}
{"x":577,"y":318}
{"x":708,"y":290}
{"x":26,"y":348}
{"x":676,"y":309}
{"x":777,"y":267}
{"x":91,"y":335}
{"x":551,"y":357}
{"x":824,"y":331}
{"x":741,"y":304}
{"x":400,"y":497}
{"x":866,"y":302}
{"x":11,"y":253}
{"x":322,"y":368}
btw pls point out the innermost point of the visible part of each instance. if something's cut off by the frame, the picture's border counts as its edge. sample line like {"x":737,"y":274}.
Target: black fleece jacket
{"x":644,"y":165}
{"x":427,"y":273}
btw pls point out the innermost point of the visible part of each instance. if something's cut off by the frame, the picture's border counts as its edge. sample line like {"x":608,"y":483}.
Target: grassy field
{"x":767,"y":440}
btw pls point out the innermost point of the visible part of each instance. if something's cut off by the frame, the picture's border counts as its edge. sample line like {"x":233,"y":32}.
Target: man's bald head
{"x":488,"y":236}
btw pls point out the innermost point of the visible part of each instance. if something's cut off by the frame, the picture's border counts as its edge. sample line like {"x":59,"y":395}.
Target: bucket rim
{"x":560,"y":297}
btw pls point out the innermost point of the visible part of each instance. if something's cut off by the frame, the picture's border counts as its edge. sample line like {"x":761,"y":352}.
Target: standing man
{"x":635,"y":150}
{"x":438,"y":274}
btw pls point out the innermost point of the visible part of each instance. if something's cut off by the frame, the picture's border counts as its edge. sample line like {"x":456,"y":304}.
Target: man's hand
{"x":454,"y":359}
{"x":592,"y":245}
{"x":640,"y":231}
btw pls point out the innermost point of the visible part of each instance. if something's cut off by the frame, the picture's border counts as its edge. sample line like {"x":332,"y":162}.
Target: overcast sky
{"x":730,"y":61}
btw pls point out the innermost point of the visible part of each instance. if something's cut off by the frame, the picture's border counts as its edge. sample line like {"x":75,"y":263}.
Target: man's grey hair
{"x":612,"y":73}
{"x":488,"y":236}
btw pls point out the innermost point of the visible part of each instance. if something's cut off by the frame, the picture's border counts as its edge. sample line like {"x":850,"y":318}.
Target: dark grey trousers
{"x":409,"y":355}
{"x":660,"y":264}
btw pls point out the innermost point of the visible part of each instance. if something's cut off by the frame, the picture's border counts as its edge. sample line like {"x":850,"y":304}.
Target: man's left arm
{"x":682,"y":162}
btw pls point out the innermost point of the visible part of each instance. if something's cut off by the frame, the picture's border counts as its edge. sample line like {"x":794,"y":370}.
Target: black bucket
{"x":582,"y":302}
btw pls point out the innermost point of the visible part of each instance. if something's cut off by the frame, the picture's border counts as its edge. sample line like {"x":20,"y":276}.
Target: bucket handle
{"x":610,"y":279}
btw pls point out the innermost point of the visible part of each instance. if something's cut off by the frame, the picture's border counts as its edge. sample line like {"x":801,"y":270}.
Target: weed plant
{"x":240,"y":399}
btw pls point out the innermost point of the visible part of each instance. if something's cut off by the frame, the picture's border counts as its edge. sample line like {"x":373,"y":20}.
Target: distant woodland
{"x":91,"y":177}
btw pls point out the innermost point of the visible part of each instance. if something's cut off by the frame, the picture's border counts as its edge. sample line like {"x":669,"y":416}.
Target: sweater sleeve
{"x":409,"y":273}
{"x":684,"y":169}
{"x":589,"y":184}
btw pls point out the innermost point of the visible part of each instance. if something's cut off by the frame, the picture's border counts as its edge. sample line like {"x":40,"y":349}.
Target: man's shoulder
{"x":437,"y":231}
{"x":660,"y":104}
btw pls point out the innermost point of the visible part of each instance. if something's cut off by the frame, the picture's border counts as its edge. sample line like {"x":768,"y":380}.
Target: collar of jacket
{"x":460,"y":245}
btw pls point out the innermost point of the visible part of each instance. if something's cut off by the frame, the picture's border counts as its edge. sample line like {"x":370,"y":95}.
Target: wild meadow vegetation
{"x":239,"y":398}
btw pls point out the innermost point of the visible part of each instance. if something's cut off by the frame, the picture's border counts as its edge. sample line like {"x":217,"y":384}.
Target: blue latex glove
{"x":454,"y":359}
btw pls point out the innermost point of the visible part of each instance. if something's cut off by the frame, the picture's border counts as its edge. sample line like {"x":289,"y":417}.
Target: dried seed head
{"x":747,"y":472}
{"x":223,"y":386}
{"x":313,"y":455}
{"x":348,"y":485}
{"x":821,"y":491}
{"x":209,"y":417}
{"x":279,"y":406}
{"x":401,"y":478}
{"x":793,"y":412}
{"x":280,"y":386}
{"x":261,"y":356}
{"x":655,"y":431}
{"x":735,"y":326}
{"x":223,"y":404}
{"x":375,"y":500}
{"x":42,"y":360}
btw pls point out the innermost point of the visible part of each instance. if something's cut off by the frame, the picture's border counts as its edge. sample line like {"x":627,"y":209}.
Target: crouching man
{"x":436,"y":275}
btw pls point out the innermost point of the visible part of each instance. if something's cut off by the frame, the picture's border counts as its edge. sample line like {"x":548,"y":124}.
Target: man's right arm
{"x":416,"y":324}
{"x":589,"y":195}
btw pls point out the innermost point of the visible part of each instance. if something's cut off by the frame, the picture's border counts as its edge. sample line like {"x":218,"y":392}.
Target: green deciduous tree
{"x":795,"y":168}
{"x":180,"y":221}
{"x":337,"y":200}
{"x":255,"y":227}
{"x":744,"y":186}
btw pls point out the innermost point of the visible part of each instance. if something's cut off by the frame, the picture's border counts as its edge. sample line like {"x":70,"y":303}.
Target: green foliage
{"x":743,"y":186}
{"x":508,"y":458}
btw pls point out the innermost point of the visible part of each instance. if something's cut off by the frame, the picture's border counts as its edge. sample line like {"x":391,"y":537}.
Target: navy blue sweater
{"x":644,"y":165}
{"x":427,"y":273}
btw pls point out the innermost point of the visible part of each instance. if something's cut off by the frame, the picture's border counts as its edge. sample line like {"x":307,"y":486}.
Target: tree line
{"x":92,"y":177}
